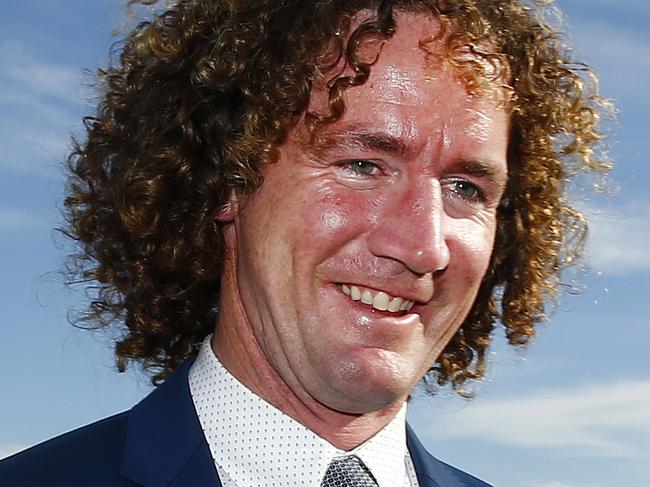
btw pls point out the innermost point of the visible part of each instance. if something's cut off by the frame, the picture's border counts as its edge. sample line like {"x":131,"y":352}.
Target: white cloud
{"x":619,"y":239}
{"x":19,"y":67}
{"x":620,"y":55}
{"x":46,"y":79}
{"x":16,"y":220}
{"x":39,"y":104}
{"x":596,"y":421}
{"x":38,"y":109}
{"x":37,"y":148}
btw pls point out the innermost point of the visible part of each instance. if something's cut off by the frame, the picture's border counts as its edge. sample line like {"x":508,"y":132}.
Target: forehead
{"x":411,"y":91}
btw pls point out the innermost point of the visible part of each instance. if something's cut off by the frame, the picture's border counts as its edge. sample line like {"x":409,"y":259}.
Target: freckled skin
{"x":402,"y":223}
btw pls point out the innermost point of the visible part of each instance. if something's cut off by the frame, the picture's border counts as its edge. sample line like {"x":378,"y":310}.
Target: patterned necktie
{"x":348,"y":472}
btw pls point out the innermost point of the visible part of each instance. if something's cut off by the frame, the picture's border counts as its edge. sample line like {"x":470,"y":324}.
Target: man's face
{"x":362,"y":253}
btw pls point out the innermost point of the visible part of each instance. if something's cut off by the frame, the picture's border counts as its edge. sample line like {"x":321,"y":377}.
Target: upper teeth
{"x":378,"y":299}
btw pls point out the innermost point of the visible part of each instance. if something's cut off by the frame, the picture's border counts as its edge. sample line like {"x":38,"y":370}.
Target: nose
{"x":410,"y":229}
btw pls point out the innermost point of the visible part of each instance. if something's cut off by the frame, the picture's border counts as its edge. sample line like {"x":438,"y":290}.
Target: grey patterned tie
{"x":348,"y":472}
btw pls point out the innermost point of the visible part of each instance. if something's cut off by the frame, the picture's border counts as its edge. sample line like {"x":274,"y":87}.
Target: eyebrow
{"x":359,"y":139}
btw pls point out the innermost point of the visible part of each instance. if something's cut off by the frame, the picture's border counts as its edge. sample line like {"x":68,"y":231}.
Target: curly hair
{"x":203,"y":93}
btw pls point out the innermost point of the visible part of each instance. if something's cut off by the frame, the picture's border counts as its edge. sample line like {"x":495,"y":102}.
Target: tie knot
{"x":348,"y":471}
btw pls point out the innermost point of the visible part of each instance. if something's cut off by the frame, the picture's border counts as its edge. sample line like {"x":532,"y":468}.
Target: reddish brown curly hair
{"x":203,"y":93}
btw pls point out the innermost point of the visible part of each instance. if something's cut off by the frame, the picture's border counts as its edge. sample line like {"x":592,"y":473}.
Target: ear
{"x":228,"y":212}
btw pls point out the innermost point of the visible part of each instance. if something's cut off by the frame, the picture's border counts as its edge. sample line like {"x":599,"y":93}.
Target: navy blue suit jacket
{"x":158,"y":443}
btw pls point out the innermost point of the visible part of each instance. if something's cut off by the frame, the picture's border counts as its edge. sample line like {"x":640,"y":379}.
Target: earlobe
{"x":227,"y":213}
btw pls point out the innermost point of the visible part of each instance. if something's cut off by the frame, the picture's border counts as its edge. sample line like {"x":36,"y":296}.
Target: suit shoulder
{"x":90,"y":455}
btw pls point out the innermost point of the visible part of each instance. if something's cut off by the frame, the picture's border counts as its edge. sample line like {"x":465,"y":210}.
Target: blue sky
{"x":571,"y":410}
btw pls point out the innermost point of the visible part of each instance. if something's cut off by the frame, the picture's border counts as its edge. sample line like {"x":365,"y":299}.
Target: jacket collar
{"x":165,"y":445}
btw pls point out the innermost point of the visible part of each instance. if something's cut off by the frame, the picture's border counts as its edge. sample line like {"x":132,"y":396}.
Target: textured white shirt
{"x":253,"y":443}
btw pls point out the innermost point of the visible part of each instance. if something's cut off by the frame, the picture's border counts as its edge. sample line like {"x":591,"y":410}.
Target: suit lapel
{"x":431,"y":472}
{"x":422,"y":461}
{"x":165,"y":445}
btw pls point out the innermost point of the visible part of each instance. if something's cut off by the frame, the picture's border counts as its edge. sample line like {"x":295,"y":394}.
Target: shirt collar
{"x":251,"y":440}
{"x":384,"y":454}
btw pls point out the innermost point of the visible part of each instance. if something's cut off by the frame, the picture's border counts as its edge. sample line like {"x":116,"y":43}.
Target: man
{"x":353,"y":192}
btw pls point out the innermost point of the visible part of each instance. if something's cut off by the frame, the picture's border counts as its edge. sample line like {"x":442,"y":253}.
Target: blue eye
{"x":361,"y":167}
{"x":466,"y":190}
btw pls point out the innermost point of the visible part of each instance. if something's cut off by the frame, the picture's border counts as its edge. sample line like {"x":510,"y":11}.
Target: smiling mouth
{"x":378,"y":300}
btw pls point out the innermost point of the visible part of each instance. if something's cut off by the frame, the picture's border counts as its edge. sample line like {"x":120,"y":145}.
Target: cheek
{"x":472,"y":247}
{"x":333,"y":219}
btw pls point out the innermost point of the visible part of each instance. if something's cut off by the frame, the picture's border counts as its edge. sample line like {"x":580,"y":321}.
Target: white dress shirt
{"x":253,"y":443}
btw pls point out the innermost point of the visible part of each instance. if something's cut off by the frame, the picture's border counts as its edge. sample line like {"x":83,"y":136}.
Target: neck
{"x":239,"y":351}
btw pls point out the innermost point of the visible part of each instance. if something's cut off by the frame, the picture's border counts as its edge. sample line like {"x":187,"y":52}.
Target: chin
{"x":363,"y":386}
